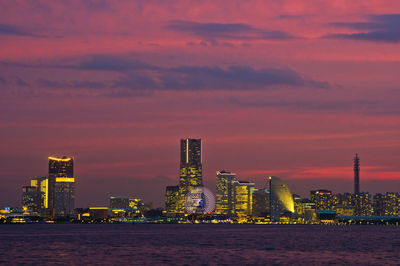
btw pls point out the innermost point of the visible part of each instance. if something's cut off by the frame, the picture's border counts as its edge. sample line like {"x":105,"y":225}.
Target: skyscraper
{"x":225,"y":193}
{"x":61,"y":186}
{"x":42,"y":184}
{"x":356,"y":175}
{"x":190,"y":174}
{"x":243,"y":193}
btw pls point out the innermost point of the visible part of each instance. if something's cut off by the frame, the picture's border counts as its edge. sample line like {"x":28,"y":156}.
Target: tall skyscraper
{"x":356,"y":175}
{"x":61,"y":186}
{"x":225,"y":193}
{"x":190,"y":174}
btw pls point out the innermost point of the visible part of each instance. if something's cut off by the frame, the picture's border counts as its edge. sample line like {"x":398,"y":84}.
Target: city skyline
{"x":274,"y":87}
{"x":61,"y":178}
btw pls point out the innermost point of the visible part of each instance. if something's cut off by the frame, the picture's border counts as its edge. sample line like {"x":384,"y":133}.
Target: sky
{"x":276,"y":87}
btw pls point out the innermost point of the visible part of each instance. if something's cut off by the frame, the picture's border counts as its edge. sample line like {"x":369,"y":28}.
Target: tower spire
{"x":356,"y":174}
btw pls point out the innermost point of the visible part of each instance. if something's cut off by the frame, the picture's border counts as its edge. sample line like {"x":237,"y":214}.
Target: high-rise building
{"x":243,"y":194}
{"x":225,"y":192}
{"x":171,"y":199}
{"x":387,"y":204}
{"x":356,"y":175}
{"x":61,"y":186}
{"x":190,"y":174}
{"x":130,"y":206}
{"x":260,"y":202}
{"x":362,"y":204}
{"x":42,"y":183}
{"x":64,"y":196}
{"x":32,"y":198}
{"x":323,"y":199}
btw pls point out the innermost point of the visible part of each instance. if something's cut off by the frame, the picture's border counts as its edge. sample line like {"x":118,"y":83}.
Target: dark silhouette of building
{"x":31,"y":198}
{"x":356,"y":175}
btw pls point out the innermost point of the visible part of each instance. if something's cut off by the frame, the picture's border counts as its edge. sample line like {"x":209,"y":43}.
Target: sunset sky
{"x":286,"y":88}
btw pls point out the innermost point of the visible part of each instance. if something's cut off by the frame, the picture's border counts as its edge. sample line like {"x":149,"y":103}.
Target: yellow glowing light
{"x":187,"y":150}
{"x":98,"y":208}
{"x":201,"y":151}
{"x":86,"y":214}
{"x":65,"y":179}
{"x":61,"y":159}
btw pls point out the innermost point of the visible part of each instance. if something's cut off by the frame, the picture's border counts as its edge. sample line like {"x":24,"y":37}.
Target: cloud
{"x":307,"y":105}
{"x":113,"y":63}
{"x":12,"y":30}
{"x":378,"y":28}
{"x":138,"y":77}
{"x":231,"y":31}
{"x":6,"y":29}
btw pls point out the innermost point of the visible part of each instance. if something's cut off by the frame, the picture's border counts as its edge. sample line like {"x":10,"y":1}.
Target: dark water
{"x":112,"y":244}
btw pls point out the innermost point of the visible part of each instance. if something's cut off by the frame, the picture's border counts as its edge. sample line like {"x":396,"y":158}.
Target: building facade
{"x":225,"y":197}
{"x":171,"y":199}
{"x":61,"y":186}
{"x":243,"y":195}
{"x":32,"y":199}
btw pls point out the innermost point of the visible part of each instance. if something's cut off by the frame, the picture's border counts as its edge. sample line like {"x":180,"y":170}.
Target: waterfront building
{"x":260,"y":202}
{"x":362,"y":204}
{"x":225,"y":192}
{"x":129,"y":206}
{"x":31,"y":199}
{"x":345,"y":210}
{"x":171,"y":199}
{"x":190,"y":173}
{"x":243,"y":195}
{"x":42,"y":184}
{"x":281,"y":199}
{"x":387,"y":204}
{"x":323,"y":199}
{"x":64,"y":196}
{"x":61,"y":186}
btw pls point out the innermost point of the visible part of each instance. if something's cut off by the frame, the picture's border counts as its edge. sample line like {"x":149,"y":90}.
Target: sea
{"x":198,"y":244}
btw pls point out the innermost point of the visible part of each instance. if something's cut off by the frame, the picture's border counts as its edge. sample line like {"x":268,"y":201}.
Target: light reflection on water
{"x":198,"y":244}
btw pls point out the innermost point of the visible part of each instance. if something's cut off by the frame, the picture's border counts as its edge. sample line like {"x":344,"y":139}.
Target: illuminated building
{"x":344,"y":210}
{"x":362,"y":204}
{"x":225,"y":192}
{"x":64,"y":196}
{"x":387,"y":204}
{"x":243,"y":195}
{"x":281,"y":199}
{"x":129,"y":206}
{"x":260,"y":203}
{"x":61,"y":186}
{"x":171,"y":199}
{"x":356,"y":175}
{"x":42,"y":183}
{"x":323,"y":199}
{"x":31,"y":198}
{"x":190,"y":174}
{"x":100,"y":213}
